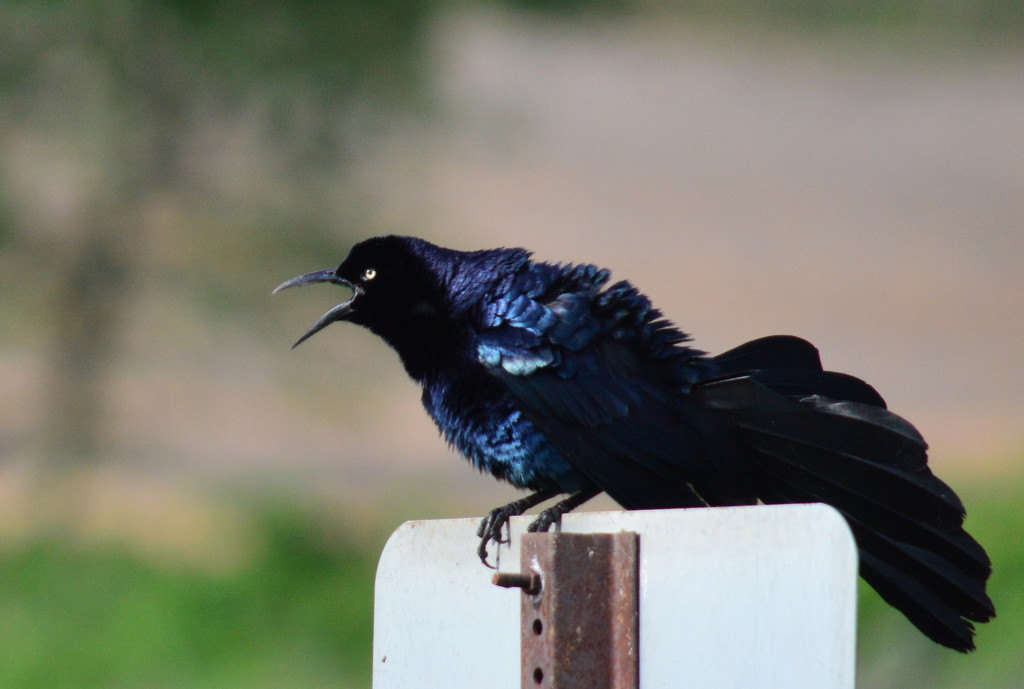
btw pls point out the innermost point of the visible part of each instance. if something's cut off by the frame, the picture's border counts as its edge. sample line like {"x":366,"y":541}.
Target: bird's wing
{"x":790,"y":366}
{"x":602,"y":377}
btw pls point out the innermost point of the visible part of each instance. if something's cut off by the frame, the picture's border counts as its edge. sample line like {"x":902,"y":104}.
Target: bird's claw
{"x":482,"y":553}
{"x":545,"y":520}
{"x":493,"y":525}
{"x":491,"y":529}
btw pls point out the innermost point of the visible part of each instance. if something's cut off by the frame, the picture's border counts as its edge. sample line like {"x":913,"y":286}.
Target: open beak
{"x":336,"y":313}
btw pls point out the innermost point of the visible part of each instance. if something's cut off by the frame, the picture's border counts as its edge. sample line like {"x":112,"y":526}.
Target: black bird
{"x":547,"y":377}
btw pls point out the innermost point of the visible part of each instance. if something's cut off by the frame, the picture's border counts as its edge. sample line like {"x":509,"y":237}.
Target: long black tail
{"x":819,"y":436}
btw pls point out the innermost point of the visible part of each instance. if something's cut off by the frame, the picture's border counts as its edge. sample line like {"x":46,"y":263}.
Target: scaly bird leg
{"x":491,"y":525}
{"x":553,"y":514}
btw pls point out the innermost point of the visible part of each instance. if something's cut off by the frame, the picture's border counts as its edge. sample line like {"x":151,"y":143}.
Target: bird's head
{"x":395,"y":282}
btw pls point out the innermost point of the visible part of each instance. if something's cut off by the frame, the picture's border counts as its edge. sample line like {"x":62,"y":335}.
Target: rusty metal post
{"x":580,"y":627}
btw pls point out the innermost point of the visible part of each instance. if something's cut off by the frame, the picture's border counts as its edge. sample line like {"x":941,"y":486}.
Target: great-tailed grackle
{"x":547,"y":377}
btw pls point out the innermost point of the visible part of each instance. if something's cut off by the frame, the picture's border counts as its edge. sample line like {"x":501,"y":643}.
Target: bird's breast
{"x":482,"y":422}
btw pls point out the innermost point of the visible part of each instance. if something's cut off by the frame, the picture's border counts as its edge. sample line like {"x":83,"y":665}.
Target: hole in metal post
{"x":538,"y":626}
{"x":538,"y":675}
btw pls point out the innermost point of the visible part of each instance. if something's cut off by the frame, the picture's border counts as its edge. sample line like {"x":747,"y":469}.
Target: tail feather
{"x":948,"y":560}
{"x":775,"y":352}
{"x":899,"y":521}
{"x":836,"y":386}
{"x":791,"y":367}
{"x":918,"y":492}
{"x":871,"y":465}
{"x":944,"y":618}
{"x":938,"y":620}
{"x":857,"y":428}
{"x":960,"y":589}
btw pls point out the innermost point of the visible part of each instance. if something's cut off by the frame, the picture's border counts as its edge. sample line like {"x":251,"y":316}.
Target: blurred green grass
{"x":298,"y":611}
{"x":298,"y":614}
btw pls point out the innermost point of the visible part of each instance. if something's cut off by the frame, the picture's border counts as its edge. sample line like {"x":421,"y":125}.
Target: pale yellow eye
{"x":369,"y":274}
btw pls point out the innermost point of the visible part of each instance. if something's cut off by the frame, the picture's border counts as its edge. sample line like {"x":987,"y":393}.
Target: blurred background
{"x":184,"y":502}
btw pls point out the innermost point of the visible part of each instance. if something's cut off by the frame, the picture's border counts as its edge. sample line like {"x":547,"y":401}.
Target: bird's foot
{"x":491,"y":529}
{"x":545,"y":520}
{"x":553,"y":515}
{"x":492,"y":526}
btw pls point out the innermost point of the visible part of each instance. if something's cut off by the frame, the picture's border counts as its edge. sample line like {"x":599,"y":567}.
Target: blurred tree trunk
{"x":89,"y":299}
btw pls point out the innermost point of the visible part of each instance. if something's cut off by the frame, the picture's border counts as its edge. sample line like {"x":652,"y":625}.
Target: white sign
{"x":729,"y":598}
